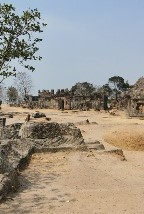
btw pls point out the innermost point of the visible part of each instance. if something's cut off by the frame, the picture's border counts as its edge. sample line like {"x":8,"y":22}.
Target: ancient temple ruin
{"x":136,"y":99}
{"x":64,"y":100}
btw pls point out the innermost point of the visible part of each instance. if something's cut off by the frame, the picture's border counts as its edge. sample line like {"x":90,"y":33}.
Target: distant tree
{"x":126,"y":86}
{"x":12,"y":94}
{"x":23,"y":84}
{"x":83,"y":89}
{"x":3,"y":94}
{"x":66,"y":91}
{"x":118,"y":85}
{"x":105,"y":89}
{"x":18,"y":38}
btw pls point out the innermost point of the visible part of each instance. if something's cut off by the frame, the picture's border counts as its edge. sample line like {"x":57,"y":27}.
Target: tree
{"x":105,"y":89}
{"x":3,"y":92}
{"x":18,"y":38}
{"x":83,"y":89}
{"x":12,"y":94}
{"x":23,"y":84}
{"x":118,"y":85}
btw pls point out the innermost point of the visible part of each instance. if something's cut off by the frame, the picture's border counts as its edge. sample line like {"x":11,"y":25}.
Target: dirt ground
{"x":83,"y":182}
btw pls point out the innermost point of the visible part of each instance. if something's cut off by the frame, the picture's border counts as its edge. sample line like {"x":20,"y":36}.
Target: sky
{"x":87,"y":40}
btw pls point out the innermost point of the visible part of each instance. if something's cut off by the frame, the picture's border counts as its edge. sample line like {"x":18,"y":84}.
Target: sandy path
{"x":78,"y":182}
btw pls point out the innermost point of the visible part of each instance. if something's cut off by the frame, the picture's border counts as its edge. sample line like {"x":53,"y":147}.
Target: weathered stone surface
{"x":10,"y":131}
{"x":8,"y":183}
{"x":38,"y":115}
{"x":2,"y":121}
{"x":138,"y":90}
{"x":8,"y":175}
{"x":15,"y":153}
{"x":54,"y":133}
{"x":89,"y":141}
{"x":71,"y":133}
{"x":96,"y":146}
{"x":40,"y":130}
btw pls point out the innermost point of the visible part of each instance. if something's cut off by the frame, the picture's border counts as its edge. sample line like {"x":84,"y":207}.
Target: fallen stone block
{"x":96,"y":146}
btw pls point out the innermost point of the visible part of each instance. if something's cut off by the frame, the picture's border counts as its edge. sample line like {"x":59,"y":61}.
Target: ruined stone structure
{"x":136,"y":107}
{"x":64,"y":100}
{"x":19,"y":141}
{"x":136,"y":99}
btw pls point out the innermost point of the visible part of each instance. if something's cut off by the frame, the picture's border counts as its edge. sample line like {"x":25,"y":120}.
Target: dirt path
{"x":78,"y":182}
{"x":81,"y":182}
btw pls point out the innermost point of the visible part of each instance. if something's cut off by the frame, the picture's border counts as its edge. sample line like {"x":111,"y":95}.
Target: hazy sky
{"x":88,"y":40}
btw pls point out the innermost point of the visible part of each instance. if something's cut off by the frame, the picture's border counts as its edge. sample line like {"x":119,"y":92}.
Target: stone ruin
{"x":63,"y":100}
{"x":132,"y":100}
{"x":136,"y":99}
{"x":138,"y":90}
{"x":19,"y":141}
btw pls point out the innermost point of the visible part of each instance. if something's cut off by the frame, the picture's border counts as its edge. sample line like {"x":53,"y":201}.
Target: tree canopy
{"x":18,"y":38}
{"x":118,"y":84}
{"x":106,"y":89}
{"x":83,"y":89}
{"x":12,"y":94}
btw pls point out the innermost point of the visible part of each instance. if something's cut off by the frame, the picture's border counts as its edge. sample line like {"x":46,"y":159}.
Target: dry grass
{"x":128,"y":139}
